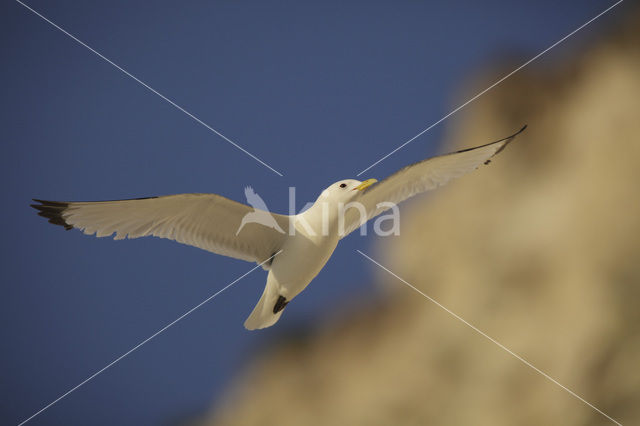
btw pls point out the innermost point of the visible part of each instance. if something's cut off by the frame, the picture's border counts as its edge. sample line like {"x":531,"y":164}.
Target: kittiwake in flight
{"x":223,"y":226}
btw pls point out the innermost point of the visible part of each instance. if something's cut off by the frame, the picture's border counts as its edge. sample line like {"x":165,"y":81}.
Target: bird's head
{"x":345,"y":190}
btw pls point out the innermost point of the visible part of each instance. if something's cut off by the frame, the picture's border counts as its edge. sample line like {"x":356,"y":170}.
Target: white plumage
{"x":302,"y":244}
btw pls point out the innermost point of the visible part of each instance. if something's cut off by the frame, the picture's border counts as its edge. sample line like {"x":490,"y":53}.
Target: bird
{"x":260,"y":214}
{"x":292,"y":259}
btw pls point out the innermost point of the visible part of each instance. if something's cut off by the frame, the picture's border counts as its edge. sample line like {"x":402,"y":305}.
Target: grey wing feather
{"x":206,"y":221}
{"x":421,"y":177}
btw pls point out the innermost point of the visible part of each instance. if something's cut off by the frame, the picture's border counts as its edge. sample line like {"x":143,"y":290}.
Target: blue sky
{"x":317,"y":90}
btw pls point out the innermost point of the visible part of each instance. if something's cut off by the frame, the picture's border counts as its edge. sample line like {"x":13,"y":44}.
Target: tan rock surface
{"x":540,"y":250}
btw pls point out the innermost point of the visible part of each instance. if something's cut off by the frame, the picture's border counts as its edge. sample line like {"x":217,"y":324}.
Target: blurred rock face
{"x":540,"y":250}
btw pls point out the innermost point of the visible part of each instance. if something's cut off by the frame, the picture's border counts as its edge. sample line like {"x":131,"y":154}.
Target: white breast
{"x":303,"y":257}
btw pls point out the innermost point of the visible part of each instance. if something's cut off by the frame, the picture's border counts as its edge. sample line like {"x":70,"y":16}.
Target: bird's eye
{"x":343,"y":185}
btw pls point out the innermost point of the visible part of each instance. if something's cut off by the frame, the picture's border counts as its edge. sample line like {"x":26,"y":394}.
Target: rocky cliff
{"x":540,"y":250}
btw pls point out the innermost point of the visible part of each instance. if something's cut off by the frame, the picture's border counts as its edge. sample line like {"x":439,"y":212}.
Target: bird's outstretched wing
{"x":420,"y":177}
{"x":206,"y":221}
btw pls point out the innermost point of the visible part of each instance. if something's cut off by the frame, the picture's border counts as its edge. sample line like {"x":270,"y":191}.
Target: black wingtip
{"x":506,"y":141}
{"x":510,"y":138}
{"x":52,"y":210}
{"x":521,"y":130}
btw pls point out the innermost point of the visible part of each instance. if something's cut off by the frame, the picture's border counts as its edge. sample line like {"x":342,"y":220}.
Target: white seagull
{"x":212,"y":222}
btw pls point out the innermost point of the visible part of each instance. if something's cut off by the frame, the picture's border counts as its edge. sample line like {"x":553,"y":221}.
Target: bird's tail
{"x":263,"y":314}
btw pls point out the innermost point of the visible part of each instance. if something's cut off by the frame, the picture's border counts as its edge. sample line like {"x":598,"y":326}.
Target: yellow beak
{"x":364,"y":185}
